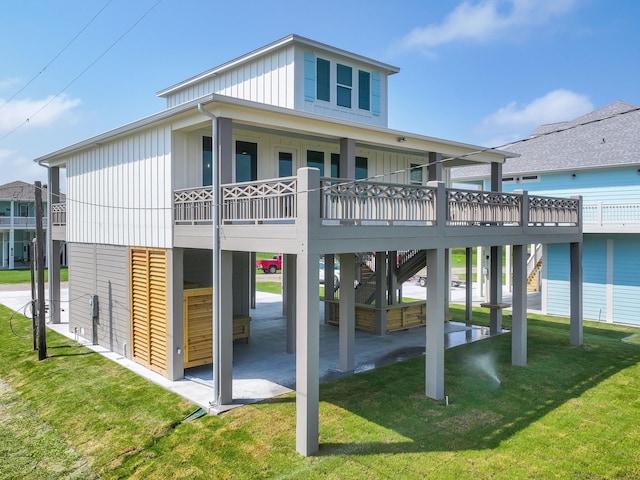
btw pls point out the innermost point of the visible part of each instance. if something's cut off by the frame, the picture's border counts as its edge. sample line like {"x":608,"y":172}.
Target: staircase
{"x":409,"y":263}
{"x":534,"y":265}
{"x":532,"y":278}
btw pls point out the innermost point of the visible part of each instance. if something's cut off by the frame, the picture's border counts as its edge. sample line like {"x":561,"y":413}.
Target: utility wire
{"x":82,"y":72}
{"x":56,"y":57}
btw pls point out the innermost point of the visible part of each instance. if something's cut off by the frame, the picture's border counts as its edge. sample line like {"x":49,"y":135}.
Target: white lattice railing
{"x":472,"y":207}
{"x":556,"y":211}
{"x":193,"y":206}
{"x":385,"y":202}
{"x":260,"y":202}
{"x":611,"y":214}
{"x":59,"y":214}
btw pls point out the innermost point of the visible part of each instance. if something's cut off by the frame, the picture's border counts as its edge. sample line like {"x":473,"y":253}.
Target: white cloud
{"x":513,"y":121}
{"x":14,"y":166}
{"x":40,"y":113}
{"x":486,"y":20}
{"x":9,"y":83}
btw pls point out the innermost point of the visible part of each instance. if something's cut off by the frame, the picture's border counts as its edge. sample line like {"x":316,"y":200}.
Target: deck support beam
{"x":575,"y":287}
{"x":381,"y":293}
{"x":469,"y":284}
{"x":225,"y":342}
{"x":54,"y":246}
{"x":434,"y":368}
{"x":519,"y":308}
{"x":495,"y":289}
{"x":290,"y":283}
{"x":347,"y":312}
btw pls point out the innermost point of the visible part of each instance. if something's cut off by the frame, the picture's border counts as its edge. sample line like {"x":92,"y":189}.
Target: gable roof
{"x":607,"y":137}
{"x":288,"y":40}
{"x":19,"y":190}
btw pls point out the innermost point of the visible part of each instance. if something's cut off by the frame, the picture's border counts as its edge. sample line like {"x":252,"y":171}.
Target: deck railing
{"x":371,"y":203}
{"x":59,"y":214}
{"x":611,"y":214}
{"x":21,"y":222}
{"x":472,"y":207}
{"x":260,"y":202}
{"x":359,"y":201}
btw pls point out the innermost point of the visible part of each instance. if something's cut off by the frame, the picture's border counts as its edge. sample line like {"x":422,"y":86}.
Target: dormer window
{"x":344,"y":76}
{"x":364,"y":90}
{"x":323,"y":86}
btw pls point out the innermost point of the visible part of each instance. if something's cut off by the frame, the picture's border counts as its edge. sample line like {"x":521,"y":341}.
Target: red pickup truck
{"x":271,"y":265}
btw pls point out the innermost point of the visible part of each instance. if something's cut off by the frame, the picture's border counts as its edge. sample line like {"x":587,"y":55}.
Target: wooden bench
{"x":241,"y":328}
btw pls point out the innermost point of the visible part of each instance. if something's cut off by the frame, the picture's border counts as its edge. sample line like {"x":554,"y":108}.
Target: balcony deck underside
{"x":335,"y":238}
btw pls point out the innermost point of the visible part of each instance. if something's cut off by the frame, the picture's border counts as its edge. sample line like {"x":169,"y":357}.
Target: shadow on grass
{"x":481,"y":413}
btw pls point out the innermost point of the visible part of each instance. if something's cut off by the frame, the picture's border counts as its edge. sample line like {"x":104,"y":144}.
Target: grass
{"x":24,"y":275}
{"x":571,"y":413}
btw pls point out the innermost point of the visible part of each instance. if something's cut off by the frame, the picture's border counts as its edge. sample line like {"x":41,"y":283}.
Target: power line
{"x":56,"y":57}
{"x":26,"y":121}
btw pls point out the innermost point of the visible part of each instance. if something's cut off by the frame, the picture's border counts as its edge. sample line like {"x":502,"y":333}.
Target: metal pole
{"x":32,"y":254}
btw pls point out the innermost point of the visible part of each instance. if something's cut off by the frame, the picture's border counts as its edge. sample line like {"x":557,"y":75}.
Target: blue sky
{"x":479,"y":71}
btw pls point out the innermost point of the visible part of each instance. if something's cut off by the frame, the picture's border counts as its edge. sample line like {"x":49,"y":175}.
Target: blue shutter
{"x":309,"y":76}
{"x":375,"y":93}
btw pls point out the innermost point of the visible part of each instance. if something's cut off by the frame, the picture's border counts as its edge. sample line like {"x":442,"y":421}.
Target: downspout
{"x":215,"y":181}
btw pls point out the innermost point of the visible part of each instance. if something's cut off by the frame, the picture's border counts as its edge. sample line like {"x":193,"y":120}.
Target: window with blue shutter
{"x":309,"y":76}
{"x":345,"y":84}
{"x":364,"y":90}
{"x":324,"y":85}
{"x":375,"y":93}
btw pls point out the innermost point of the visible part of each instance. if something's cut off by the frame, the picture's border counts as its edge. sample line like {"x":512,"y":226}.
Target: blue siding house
{"x":596,"y":156}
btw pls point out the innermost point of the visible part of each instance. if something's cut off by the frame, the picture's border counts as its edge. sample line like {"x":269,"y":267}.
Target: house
{"x":18,"y":222}
{"x":272,"y":152}
{"x":596,"y":156}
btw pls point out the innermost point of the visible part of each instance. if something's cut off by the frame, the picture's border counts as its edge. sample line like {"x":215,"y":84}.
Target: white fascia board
{"x":290,"y":39}
{"x":127,"y":129}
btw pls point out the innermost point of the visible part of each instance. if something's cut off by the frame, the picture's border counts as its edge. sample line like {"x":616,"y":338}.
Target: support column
{"x":175,"y":327}
{"x":54,"y":246}
{"x":347,"y":312}
{"x":225,"y":342}
{"x":381,"y":293}
{"x":435,"y":167}
{"x":495,"y":290}
{"x":480,"y":271}
{"x":575,"y":287}
{"x":434,"y":367}
{"x":393,"y":279}
{"x":447,"y":283}
{"x":507,"y":267}
{"x":329,"y":284}
{"x":252,"y":277}
{"x":307,"y":313}
{"x":519,"y":307}
{"x":307,"y":355}
{"x":469,"y":285}
{"x":290,"y":286}
{"x":225,"y":150}
{"x":347,"y":158}
{"x":5,"y":251}
{"x":11,"y":238}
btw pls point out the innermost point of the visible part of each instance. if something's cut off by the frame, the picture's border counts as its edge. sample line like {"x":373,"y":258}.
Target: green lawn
{"x":573,"y":412}
{"x":24,"y":275}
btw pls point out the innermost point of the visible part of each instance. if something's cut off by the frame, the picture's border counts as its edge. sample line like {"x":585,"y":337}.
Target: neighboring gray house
{"x":271,"y":152}
{"x":596,"y":156}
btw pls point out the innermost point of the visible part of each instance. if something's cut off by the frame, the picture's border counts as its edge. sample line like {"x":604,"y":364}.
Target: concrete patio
{"x":262,"y":368}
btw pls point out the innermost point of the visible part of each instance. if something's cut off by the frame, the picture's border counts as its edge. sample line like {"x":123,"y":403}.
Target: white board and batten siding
{"x":266,"y":79}
{"x":125,"y":191}
{"x":188,"y":157}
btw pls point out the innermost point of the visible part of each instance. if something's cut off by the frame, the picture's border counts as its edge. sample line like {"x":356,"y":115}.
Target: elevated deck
{"x":329,"y":215}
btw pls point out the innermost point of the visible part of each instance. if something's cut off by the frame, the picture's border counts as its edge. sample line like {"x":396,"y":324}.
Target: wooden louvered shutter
{"x":149,"y":312}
